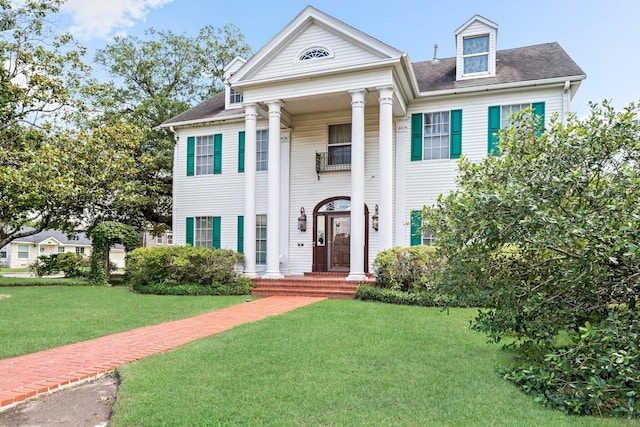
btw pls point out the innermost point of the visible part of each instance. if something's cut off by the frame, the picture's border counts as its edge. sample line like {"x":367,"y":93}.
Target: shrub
{"x":598,"y":374}
{"x":186,"y":270}
{"x":69,"y":263}
{"x":428,"y":298}
{"x":415,"y":268}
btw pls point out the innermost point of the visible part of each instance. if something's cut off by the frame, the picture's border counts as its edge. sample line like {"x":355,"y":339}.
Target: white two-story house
{"x":327,"y":141}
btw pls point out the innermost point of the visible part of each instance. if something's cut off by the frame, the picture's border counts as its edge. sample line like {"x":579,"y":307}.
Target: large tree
{"x":40,"y":74}
{"x":155,"y":78}
{"x":549,"y":234}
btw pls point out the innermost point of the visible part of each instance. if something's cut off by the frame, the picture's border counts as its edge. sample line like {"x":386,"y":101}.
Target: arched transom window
{"x":314,"y":53}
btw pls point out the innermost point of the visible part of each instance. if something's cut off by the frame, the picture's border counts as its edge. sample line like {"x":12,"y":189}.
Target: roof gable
{"x":280,"y":57}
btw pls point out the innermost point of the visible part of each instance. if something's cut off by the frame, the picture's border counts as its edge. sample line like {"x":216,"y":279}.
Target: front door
{"x":339,"y":242}
{"x":332,"y":235}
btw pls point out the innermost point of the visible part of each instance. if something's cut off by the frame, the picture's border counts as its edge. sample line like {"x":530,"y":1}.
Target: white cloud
{"x":100,"y":18}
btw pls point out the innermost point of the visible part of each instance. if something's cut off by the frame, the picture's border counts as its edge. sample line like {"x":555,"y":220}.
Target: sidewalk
{"x":26,"y":376}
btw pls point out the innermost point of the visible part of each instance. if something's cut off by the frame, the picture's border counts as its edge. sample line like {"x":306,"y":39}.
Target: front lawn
{"x":39,"y":318}
{"x":340,"y":363}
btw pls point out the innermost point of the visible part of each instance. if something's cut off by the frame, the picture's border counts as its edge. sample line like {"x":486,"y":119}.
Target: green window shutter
{"x":240,"y":234}
{"x":241,"y":152}
{"x":191,"y":152}
{"x":189,"y":239}
{"x":455,"y":138}
{"x":538,"y":110}
{"x":494,"y":127}
{"x":215,"y":238}
{"x":416,"y":137}
{"x":217,"y":153}
{"x":416,"y":226}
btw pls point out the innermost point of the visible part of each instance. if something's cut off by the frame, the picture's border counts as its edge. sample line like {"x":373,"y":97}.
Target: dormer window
{"x":476,"y":49}
{"x":475,"y":53}
{"x":235,"y":97}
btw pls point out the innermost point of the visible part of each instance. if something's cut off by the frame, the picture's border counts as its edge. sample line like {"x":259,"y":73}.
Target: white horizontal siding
{"x":286,"y":61}
{"x":426,"y":180}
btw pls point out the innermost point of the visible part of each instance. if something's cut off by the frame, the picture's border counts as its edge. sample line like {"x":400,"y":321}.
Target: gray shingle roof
{"x":210,"y":108}
{"x":538,"y":62}
{"x":79,"y":238}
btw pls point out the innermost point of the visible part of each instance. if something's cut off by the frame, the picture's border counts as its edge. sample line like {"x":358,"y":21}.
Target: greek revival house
{"x":327,"y":141}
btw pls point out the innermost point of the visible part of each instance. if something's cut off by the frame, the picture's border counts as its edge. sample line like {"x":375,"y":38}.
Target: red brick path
{"x":26,"y":376}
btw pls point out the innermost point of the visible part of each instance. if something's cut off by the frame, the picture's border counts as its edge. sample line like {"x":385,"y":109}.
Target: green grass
{"x":337,"y":363}
{"x":15,"y":270}
{"x":42,"y":281}
{"x":38,"y":318}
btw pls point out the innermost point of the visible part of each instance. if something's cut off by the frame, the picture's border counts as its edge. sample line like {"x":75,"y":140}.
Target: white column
{"x":273,"y":183}
{"x":356,"y":269}
{"x":385,"y":189}
{"x":401,"y":214}
{"x":250,"y":190}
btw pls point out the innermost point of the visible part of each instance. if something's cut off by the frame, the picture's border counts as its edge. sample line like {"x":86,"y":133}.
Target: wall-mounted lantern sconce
{"x":302,"y":221}
{"x":375,"y":220}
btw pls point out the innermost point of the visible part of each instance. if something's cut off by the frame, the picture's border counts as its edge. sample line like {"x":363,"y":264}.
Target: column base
{"x":272,"y":275}
{"x":250,"y":274}
{"x":357,"y":277}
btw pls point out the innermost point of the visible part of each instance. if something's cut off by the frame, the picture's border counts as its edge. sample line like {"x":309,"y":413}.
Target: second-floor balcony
{"x":333,"y":161}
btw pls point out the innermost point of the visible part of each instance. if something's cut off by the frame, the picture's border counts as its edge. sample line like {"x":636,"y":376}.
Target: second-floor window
{"x":235,"y":97}
{"x":339,"y":144}
{"x":262,"y":150}
{"x":204,"y":155}
{"x":436,"y":136}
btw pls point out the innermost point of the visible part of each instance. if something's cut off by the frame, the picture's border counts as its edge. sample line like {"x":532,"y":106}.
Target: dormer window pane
{"x":234,"y":96}
{"x":475,"y":51}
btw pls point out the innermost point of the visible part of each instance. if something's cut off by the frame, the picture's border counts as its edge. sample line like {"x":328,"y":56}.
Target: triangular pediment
{"x":312,"y":43}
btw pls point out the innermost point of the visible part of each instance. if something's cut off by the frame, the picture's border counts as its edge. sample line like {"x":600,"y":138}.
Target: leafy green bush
{"x":428,"y":298}
{"x":415,"y":268}
{"x":69,"y":263}
{"x":186,"y":270}
{"x":598,"y":374}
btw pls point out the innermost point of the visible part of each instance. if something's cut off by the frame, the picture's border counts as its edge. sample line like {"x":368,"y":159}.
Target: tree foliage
{"x":154,"y":79}
{"x":41,"y":75}
{"x":549,"y":232}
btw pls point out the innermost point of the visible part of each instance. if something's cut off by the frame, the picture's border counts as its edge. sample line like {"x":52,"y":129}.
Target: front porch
{"x":328,"y":285}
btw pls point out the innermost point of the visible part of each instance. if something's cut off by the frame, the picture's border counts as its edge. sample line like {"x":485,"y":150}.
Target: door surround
{"x":333,"y":207}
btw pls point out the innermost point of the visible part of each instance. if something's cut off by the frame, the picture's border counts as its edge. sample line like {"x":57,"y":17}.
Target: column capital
{"x":386,"y":95}
{"x":250,"y":111}
{"x":357,"y":97}
{"x":274,"y":107}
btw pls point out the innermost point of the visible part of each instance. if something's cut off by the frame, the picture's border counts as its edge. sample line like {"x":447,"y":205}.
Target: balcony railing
{"x":323,"y":165}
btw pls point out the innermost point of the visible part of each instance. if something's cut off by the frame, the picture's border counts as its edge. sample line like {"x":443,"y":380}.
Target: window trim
{"x":261,"y":237}
{"x":486,"y":54}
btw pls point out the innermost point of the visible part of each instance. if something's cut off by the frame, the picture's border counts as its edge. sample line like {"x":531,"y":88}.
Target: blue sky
{"x":601,"y":37}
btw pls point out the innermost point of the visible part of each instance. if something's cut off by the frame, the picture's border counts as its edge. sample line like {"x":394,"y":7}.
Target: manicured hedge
{"x":421,"y":298}
{"x":186,"y":270}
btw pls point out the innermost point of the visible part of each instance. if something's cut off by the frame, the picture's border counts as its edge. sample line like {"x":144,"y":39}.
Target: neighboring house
{"x":165,"y":239}
{"x":25,"y":251}
{"x":327,"y":142}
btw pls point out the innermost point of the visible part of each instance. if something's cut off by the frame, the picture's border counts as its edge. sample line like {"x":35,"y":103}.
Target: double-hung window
{"x":202,"y":231}
{"x":262,"y":150}
{"x":23,"y":251}
{"x":475,"y":54}
{"x":436,"y":135}
{"x":339,"y":144}
{"x":204,"y":155}
{"x":60,"y":249}
{"x":500,"y":116}
{"x":80,"y":250}
{"x":261,"y":239}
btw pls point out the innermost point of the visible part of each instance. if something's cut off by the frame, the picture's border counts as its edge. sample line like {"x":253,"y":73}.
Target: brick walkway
{"x":26,"y":376}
